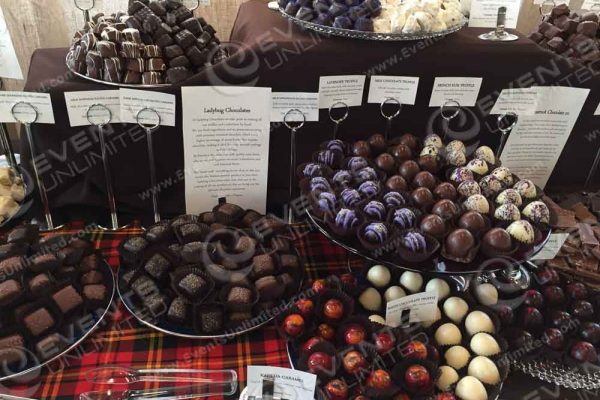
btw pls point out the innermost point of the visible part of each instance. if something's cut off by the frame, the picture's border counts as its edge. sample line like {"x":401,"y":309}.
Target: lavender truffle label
{"x":420,"y":307}
{"x":341,"y":89}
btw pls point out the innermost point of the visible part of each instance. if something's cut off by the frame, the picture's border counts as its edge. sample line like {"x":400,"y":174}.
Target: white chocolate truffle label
{"x":421,"y":307}
{"x":463,"y":90}
{"x":346,"y":89}
{"x":401,"y":88}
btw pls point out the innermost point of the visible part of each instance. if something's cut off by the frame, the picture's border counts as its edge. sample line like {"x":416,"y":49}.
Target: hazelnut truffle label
{"x":420,"y":307}
{"x":463,"y":90}
{"x":287,"y":383}
{"x":226,"y":146}
{"x":9,"y":64}
{"x":283,"y":102}
{"x":133,"y":101}
{"x":484,"y":13}
{"x":40,"y":101}
{"x":521,"y":101}
{"x":401,"y":88}
{"x":347,"y":89}
{"x":553,"y":245}
{"x":78,"y":104}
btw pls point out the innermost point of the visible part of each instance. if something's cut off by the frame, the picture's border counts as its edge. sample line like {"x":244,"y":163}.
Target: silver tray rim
{"x":374,"y":36}
{"x":80,"y":340}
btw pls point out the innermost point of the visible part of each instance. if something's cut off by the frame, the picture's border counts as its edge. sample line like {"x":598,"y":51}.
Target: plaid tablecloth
{"x":125,"y":342}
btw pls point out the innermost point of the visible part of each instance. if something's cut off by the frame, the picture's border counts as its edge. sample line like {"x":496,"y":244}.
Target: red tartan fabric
{"x":125,"y":342}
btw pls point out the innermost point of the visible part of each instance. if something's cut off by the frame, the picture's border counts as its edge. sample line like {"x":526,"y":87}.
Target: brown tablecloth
{"x":271,"y":52}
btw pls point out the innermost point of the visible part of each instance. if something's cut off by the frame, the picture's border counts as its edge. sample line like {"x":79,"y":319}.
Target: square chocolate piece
{"x":157,"y":266}
{"x":263,"y":265}
{"x":95,"y":293}
{"x":211,"y":320}
{"x":10,"y":291}
{"x":67,"y":299}
{"x":39,"y":283}
{"x":178,"y":310}
{"x":39,"y":321}
{"x":239,"y":295}
{"x":192,"y":285}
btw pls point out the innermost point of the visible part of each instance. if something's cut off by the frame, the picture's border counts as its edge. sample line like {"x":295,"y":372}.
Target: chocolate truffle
{"x":526,"y":189}
{"x":456,"y":158}
{"x":486,"y":154}
{"x":409,"y":169}
{"x":522,"y":231}
{"x":39,"y":321}
{"x":490,"y":186}
{"x":157,"y":266}
{"x":192,"y":285}
{"x":409,"y":140}
{"x":369,"y":189}
{"x":394,"y":200}
{"x":263,"y":265}
{"x":401,"y":152}
{"x":375,"y":210}
{"x":356,"y":163}
{"x":429,"y":163}
{"x":377,"y":143}
{"x":385,"y":162}
{"x":375,"y":232}
{"x":507,"y":212}
{"x":445,"y":190}
{"x":433,"y":225}
{"x":211,"y":319}
{"x":422,"y":197}
{"x":415,"y":242}
{"x":350,"y":197}
{"x":178,"y":310}
{"x":537,"y":212}
{"x":468,"y":188}
{"x":433,"y":140}
{"x":445,"y":209}
{"x":504,"y":175}
{"x":239,"y":295}
{"x":478,"y":166}
{"x":404,"y":218}
{"x":472,"y":221}
{"x":477,"y":203}
{"x":498,"y":240}
{"x":366,"y":174}
{"x":460,"y":175}
{"x":509,"y":196}
{"x":424,"y":179}
{"x":10,"y":291}
{"x":269,"y":288}
{"x":459,"y":243}
{"x":361,"y":148}
{"x":342,"y":178}
{"x":67,"y":299}
{"x":95,"y":293}
{"x":346,"y":219}
{"x":397,"y":183}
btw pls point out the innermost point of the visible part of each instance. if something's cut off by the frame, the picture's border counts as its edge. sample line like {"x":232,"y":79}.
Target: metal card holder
{"x":448,"y":115}
{"x":85,"y":6}
{"x":389,"y":117}
{"x":338,"y":121}
{"x":505,"y":128}
{"x":287,"y":120}
{"x":5,"y":142}
{"x":499,"y":34}
{"x":152,"y":115}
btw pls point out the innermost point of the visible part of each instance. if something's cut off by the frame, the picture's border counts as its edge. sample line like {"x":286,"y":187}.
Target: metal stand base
{"x":494,"y":37}
{"x":44,"y":227}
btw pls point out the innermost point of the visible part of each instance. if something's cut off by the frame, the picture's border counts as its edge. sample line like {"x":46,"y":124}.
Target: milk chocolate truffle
{"x":409,"y":169}
{"x":507,"y":212}
{"x":522,"y":231}
{"x":445,"y":190}
{"x":361,"y":148}
{"x":396,"y":183}
{"x":422,"y":197}
{"x":401,"y":152}
{"x":477,"y":203}
{"x":425,"y":179}
{"x":409,"y":140}
{"x":429,"y":163}
{"x":385,"y":162}
{"x":377,"y":143}
{"x":433,"y":225}
{"x":445,"y":209}
{"x":537,"y":212}
{"x":509,"y":196}
{"x":448,"y":334}
{"x":468,"y":188}
{"x":472,"y":221}
{"x":459,"y":243}
{"x":497,"y":239}
{"x":486,"y":154}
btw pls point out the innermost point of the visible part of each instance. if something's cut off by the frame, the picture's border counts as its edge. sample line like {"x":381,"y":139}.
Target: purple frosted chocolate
{"x":324,"y":18}
{"x":337,"y":9}
{"x":311,"y":170}
{"x":375,"y":210}
{"x":319,"y":183}
{"x":336,"y":145}
{"x":356,"y":12}
{"x":364,"y":24}
{"x":328,"y":157}
{"x":394,"y":200}
{"x":369,"y":189}
{"x":321,"y":6}
{"x":350,"y":197}
{"x":461,"y":174}
{"x":366,"y":174}
{"x":405,"y":218}
{"x":356,"y":163}
{"x":342,"y":178}
{"x":346,"y":218}
{"x":415,"y":242}
{"x":326,"y":202}
{"x":376,"y":232}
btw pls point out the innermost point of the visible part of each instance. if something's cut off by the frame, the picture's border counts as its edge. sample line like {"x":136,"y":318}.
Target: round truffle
{"x":429,"y":163}
{"x":424,"y":179}
{"x":478,"y":321}
{"x":401,"y":152}
{"x":504,"y":175}
{"x":409,"y":140}
{"x":361,"y":148}
{"x":497,"y":240}
{"x":447,"y":377}
{"x":412,"y":281}
{"x":478,"y":166}
{"x":470,"y":388}
{"x":433,"y":140}
{"x":456,"y":158}
{"x":385,"y":162}
{"x":379,"y":276}
{"x":439,"y":286}
{"x":484,"y":344}
{"x":409,"y":169}
{"x":377,"y":143}
{"x":457,"y":357}
{"x":459,"y":243}
{"x":486,"y":154}
{"x":486,"y":294}
{"x":422,"y":197}
{"x":537,"y":212}
{"x":429,"y":150}
{"x":472,"y":221}
{"x":397,"y":183}
{"x":468,"y":188}
{"x":526,"y":189}
{"x":445,"y":190}
{"x":456,"y":308}
{"x":477,"y":203}
{"x":460,"y":175}
{"x":509,"y":196}
{"x":370,"y":299}
{"x":394,"y":293}
{"x":507,"y":212}
{"x":445,"y":209}
{"x":490,"y":186}
{"x":447,"y":335}
{"x":456,"y":145}
{"x":485,"y":370}
{"x":521,"y":231}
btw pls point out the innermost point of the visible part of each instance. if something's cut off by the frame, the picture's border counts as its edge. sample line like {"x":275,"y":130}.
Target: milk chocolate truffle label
{"x":283,"y":102}
{"x":78,"y":104}
{"x":401,"y":88}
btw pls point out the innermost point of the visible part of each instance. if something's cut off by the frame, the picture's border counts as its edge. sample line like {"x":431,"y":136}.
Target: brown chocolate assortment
{"x":212,"y":273}
{"x":158,"y":42}
{"x":51,"y":287}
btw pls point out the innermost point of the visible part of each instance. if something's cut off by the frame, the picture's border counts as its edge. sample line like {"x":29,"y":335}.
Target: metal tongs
{"x":197,"y":383}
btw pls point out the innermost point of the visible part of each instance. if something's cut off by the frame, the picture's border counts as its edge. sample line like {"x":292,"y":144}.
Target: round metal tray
{"x":33,"y":364}
{"x":436,"y":265}
{"x":559,"y":374}
{"x":353,"y":34}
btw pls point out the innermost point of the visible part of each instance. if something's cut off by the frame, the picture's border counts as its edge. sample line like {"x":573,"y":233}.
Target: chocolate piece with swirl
{"x":131,"y":50}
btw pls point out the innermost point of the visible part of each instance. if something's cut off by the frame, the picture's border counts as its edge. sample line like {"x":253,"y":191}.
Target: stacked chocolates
{"x":355,"y":15}
{"x":51,"y":287}
{"x":210,"y":273}
{"x":409,"y":201}
{"x":158,"y":42}
{"x":571,"y":34}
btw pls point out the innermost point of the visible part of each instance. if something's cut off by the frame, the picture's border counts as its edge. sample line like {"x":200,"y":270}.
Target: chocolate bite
{"x":39,"y":284}
{"x":459,"y":243}
{"x":239,"y":295}
{"x":211,"y":319}
{"x":95,"y":293}
{"x":178,"y":310}
{"x":92,"y":277}
{"x":269,"y":288}
{"x":45,"y":262}
{"x":263,"y":265}
{"x":67,"y":299}
{"x":192,"y":285}
{"x":157,"y":266}
{"x":11,"y":349}
{"x":10,"y":291}
{"x":39,"y":321}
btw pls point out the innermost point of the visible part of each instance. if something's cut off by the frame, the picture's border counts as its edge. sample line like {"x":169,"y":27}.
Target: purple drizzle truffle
{"x":376,"y":232}
{"x":369,"y":189}
{"x":375,"y":210}
{"x":337,"y":9}
{"x":342,"y":22}
{"x":311,"y":170}
{"x":319,"y":183}
{"x":394,"y":200}
{"x":350,"y":197}
{"x":415,"y":242}
{"x":356,"y":163}
{"x":327,"y":202}
{"x":346,"y":218}
{"x":329,"y":157}
{"x":342,"y":178}
{"x":405,"y":218}
{"x":336,"y":145}
{"x":366,"y":174}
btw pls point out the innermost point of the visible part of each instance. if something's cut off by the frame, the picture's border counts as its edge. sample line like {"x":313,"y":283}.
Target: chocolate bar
{"x":136,"y":64}
{"x":151,"y":78}
{"x":107,"y":49}
{"x":152,"y":51}
{"x":131,"y":50}
{"x":132,"y":35}
{"x":156,"y":64}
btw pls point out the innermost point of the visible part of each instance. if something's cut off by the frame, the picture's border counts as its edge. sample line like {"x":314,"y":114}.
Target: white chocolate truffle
{"x":490,"y":186}
{"x":486,"y":294}
{"x":412,"y":281}
{"x":485,"y":370}
{"x":448,"y":335}
{"x":433,"y":140}
{"x":468,"y":188}
{"x":438,"y":25}
{"x":457,"y":357}
{"x":484,"y":344}
{"x":456,"y":158}
{"x":486,"y":154}
{"x":461,"y":174}
{"x":377,"y":318}
{"x":429,"y":150}
{"x":526,"y":189}
{"x":504,"y":175}
{"x":379,"y":276}
{"x":456,"y":308}
{"x":507,"y":212}
{"x":478,"y":321}
{"x":370,"y":299}
{"x":394,"y":293}
{"x":477,"y":202}
{"x":412,"y":25}
{"x":448,"y":377}
{"x":439,"y":286}
{"x":509,"y":196}
{"x":470,"y":388}
{"x":456,"y":145}
{"x":522,"y":231}
{"x":537,"y":212}
{"x":478,"y":166}
{"x":438,"y":316}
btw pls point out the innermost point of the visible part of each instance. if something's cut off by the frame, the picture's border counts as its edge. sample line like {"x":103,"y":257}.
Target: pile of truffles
{"x":49,"y":287}
{"x":356,"y":356}
{"x":409,"y":200}
{"x":418,"y":16}
{"x":205,"y":274}
{"x":571,"y":34}
{"x":12,"y":192}
{"x":160,"y":41}
{"x":342,"y":14}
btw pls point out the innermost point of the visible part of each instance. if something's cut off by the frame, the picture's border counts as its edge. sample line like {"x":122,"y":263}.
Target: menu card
{"x":421,"y":307}
{"x":461,"y":89}
{"x":402,"y":88}
{"x":9,"y":64}
{"x":78,"y":104}
{"x":289,"y":384}
{"x":484,"y":13}
{"x":226,"y":146}
{"x":552,"y":247}
{"x":538,"y":139}
{"x":341,"y":88}
{"x":133,"y":101}
{"x":283,"y":102}
{"x":40,"y":101}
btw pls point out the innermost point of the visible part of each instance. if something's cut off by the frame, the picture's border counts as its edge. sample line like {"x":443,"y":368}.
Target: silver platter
{"x":100,"y":318}
{"x":559,"y":374}
{"x":386,"y":37}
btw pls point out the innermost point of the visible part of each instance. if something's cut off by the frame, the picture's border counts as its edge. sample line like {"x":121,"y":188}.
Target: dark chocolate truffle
{"x":497,"y":239}
{"x":361,"y":148}
{"x":396,"y":183}
{"x":192,"y":285}
{"x":445,"y":190}
{"x":428,"y":163}
{"x":211,"y":319}
{"x":377,"y":143}
{"x":433,"y":225}
{"x":178,"y":310}
{"x":157,"y":266}
{"x":422,"y":197}
{"x":425,"y":179}
{"x":385,"y":162}
{"x":409,"y":169}
{"x":459,"y":243}
{"x":472,"y":221}
{"x":401,"y":152}
{"x":409,"y":140}
{"x":445,"y":209}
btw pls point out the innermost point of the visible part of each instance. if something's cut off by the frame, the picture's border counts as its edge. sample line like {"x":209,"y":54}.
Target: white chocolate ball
{"x":394,"y":293}
{"x":448,"y":334}
{"x":412,"y":281}
{"x":370,"y":299}
{"x":470,"y":388}
{"x":377,"y":318}
{"x":457,"y":357}
{"x":440,"y":286}
{"x":456,"y":308}
{"x":438,"y":316}
{"x":486,"y":294}
{"x":448,"y":377}
{"x":485,"y":370}
{"x":484,"y":344}
{"x":478,"y":321}
{"x":379,"y":276}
